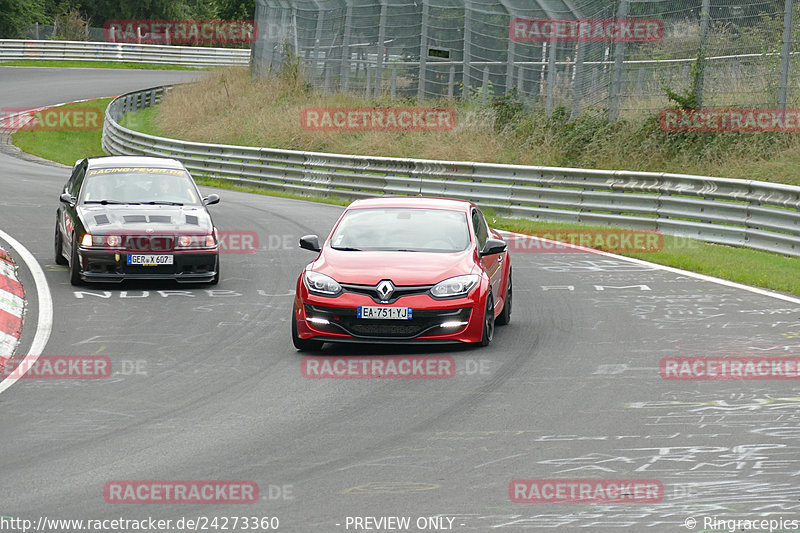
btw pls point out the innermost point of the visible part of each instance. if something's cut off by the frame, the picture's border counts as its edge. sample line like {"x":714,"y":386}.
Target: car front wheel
{"x":74,"y":264}
{"x":505,"y":315}
{"x":59,"y":248}
{"x":488,"y":321}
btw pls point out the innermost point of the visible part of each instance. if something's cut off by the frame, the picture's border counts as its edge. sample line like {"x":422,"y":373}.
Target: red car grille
{"x":424,"y":322}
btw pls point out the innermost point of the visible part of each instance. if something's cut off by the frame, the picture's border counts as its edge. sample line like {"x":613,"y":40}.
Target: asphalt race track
{"x":207,"y":386}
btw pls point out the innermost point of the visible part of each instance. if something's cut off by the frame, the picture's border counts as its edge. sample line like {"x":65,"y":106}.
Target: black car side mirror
{"x":493,"y":246}
{"x":67,"y":198}
{"x":211,"y":199}
{"x":310,"y":242}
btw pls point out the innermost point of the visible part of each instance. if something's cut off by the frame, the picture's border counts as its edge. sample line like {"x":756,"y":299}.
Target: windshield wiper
{"x":105,"y":202}
{"x":346,"y":248}
{"x":162,"y":202}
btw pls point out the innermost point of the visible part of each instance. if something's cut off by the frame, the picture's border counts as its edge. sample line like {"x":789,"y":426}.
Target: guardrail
{"x":747,"y":213}
{"x":16,"y":50}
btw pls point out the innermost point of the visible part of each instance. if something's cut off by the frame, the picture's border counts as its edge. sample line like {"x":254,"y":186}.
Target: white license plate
{"x":149,"y":259}
{"x":384,"y":313}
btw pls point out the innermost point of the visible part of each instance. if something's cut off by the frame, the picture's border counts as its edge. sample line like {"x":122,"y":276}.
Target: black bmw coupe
{"x":123,"y":217}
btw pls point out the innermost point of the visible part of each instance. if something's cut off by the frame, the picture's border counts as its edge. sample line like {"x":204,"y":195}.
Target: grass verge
{"x":65,"y":147}
{"x":96,"y":64}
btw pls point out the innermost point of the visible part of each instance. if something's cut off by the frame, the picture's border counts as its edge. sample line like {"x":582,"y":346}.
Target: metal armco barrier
{"x":747,"y":213}
{"x":16,"y":50}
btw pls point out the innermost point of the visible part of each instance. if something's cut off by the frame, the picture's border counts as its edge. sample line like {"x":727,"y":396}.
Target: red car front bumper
{"x":334,"y":319}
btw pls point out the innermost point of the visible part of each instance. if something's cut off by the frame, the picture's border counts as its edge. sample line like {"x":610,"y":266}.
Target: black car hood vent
{"x":160,"y":218}
{"x":101,"y":219}
{"x":133,"y":219}
{"x":191,"y":219}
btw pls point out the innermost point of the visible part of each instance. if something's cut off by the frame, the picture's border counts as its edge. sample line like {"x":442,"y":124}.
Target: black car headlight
{"x":321,"y":284}
{"x":455,"y":287}
{"x":195,"y":241}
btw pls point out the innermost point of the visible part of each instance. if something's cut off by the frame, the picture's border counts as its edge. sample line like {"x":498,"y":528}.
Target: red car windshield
{"x":402,"y":229}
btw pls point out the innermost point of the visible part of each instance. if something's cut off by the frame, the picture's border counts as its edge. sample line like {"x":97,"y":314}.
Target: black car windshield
{"x":139,"y":185}
{"x":402,"y":229}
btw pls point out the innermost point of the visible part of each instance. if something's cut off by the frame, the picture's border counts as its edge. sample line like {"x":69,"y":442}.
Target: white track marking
{"x":44,"y":325}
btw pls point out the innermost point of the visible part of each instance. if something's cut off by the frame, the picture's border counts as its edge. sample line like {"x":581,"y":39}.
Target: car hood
{"x":102,"y":219}
{"x":403,"y":268}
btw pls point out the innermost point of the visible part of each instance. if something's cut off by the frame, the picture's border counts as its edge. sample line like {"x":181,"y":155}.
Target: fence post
{"x":423,"y":50}
{"x":344,"y":73}
{"x":785,"y":55}
{"x":485,"y":85}
{"x":317,"y":39}
{"x":551,"y":75}
{"x":510,"y":65}
{"x":451,"y":81}
{"x":578,"y":82}
{"x":381,"y":40}
{"x":619,"y":57}
{"x":467,"y":48}
{"x":705,"y":14}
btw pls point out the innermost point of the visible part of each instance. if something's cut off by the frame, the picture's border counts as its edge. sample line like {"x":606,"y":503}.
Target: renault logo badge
{"x":385,"y":289}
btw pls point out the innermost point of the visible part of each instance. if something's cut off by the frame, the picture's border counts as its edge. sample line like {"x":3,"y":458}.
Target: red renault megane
{"x":404,"y":270}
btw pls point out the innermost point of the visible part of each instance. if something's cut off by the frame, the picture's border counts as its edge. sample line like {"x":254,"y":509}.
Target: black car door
{"x":67,"y":214}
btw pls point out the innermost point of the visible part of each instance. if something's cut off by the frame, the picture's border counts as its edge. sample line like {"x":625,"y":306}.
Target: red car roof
{"x":412,"y":202}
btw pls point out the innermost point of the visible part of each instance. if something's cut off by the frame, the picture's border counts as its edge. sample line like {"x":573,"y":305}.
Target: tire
{"x":74,"y":269}
{"x":505,"y":315}
{"x":59,"y":248}
{"x":304,"y":345}
{"x":488,"y":321}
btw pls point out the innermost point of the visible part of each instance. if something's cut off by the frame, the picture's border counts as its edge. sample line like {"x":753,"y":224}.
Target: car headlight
{"x":95,"y":241}
{"x":321,"y":284}
{"x":195,"y":241}
{"x":454,"y":287}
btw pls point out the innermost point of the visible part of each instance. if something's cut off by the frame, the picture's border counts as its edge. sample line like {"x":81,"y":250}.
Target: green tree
{"x":16,"y":17}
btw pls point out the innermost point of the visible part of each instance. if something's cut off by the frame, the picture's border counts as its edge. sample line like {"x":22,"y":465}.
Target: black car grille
{"x":423,"y":322}
{"x":399,"y":291}
{"x":148,"y":243}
